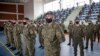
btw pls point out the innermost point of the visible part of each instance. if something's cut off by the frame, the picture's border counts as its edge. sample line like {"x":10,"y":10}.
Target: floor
{"x":65,"y":49}
{"x":3,"y":50}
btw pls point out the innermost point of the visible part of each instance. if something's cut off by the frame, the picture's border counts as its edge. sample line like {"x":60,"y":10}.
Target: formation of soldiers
{"x":81,"y":32}
{"x":13,"y":31}
{"x":50,"y":36}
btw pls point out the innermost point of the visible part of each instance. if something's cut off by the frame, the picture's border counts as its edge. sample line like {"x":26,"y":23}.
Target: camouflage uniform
{"x":89,"y":35}
{"x":29,"y":34}
{"x":6,"y":32}
{"x":39,"y":29}
{"x":17,"y":37}
{"x":84,"y":30}
{"x":96,"y":31}
{"x":21,"y":26}
{"x":52,"y":36}
{"x":10,"y":34}
{"x":62,"y":25}
{"x":70,"y":27}
{"x":99,"y":32}
{"x":77,"y":40}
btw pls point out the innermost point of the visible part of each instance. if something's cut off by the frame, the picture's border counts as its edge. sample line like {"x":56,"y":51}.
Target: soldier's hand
{"x":42,"y":47}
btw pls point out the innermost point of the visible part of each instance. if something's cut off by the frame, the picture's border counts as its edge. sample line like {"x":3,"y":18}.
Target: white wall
{"x":28,"y":9}
{"x":38,"y":8}
{"x":33,"y":8}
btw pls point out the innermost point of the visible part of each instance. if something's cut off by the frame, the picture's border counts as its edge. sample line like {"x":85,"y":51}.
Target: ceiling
{"x":22,"y":1}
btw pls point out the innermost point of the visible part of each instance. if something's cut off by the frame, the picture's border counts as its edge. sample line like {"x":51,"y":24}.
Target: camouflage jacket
{"x":52,"y":34}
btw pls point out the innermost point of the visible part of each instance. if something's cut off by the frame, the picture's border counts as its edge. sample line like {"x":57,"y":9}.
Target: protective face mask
{"x":49,"y":20}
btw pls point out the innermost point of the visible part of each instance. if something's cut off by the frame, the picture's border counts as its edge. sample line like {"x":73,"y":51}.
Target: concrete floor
{"x":65,"y":49}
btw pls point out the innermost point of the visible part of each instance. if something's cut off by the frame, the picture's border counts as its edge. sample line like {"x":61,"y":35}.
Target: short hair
{"x":49,"y":13}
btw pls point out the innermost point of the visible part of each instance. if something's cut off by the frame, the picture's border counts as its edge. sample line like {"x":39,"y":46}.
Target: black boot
{"x":8,"y":45}
{"x":86,"y":48}
{"x":21,"y":54}
{"x":91,"y":48}
{"x":69,"y":44}
{"x":13,"y":48}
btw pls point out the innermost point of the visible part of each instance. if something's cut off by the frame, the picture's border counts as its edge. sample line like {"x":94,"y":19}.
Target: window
{"x":52,"y":6}
{"x":96,"y":0}
{"x":55,"y":5}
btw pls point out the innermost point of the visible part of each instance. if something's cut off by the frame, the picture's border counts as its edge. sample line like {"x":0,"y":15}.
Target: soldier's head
{"x":9,"y":22}
{"x":70,"y":22}
{"x":76,"y":21}
{"x":24,"y":22}
{"x":96,"y":22}
{"x":13,"y":22}
{"x":17,"y":22}
{"x":28,"y":22}
{"x":89,"y":22}
{"x":82,"y":22}
{"x":4,"y":23}
{"x":49,"y":17}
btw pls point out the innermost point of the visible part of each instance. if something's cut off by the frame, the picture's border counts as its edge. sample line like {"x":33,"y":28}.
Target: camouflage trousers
{"x":96,"y":35}
{"x":52,"y":51}
{"x":89,"y":37}
{"x":70,"y":37}
{"x":17,"y":40}
{"x":8,"y":40}
{"x":30,"y":50}
{"x":11,"y":39}
{"x":75,"y":45}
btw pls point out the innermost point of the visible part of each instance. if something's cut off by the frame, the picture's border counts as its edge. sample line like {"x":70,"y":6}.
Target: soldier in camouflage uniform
{"x":96,"y":31}
{"x":29,"y":34}
{"x":77,"y":38}
{"x":89,"y":35}
{"x":84,"y":29}
{"x":52,"y":36}
{"x":39,"y":28}
{"x":21,"y":26}
{"x":6,"y":33}
{"x":70,"y":27}
{"x":17,"y":38}
{"x":10,"y":34}
{"x":99,"y":25}
{"x":62,"y":25}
